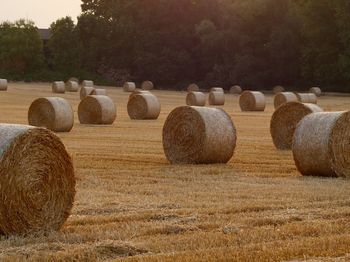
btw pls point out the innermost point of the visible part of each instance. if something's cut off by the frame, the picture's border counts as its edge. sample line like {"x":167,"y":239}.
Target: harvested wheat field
{"x":132,"y":204}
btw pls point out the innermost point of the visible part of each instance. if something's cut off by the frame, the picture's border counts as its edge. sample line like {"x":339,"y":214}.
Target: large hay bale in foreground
{"x":193,"y":88}
{"x":87,"y":83}
{"x":216,"y":98}
{"x":321,"y":145}
{"x":307,"y":98}
{"x":99,"y":92}
{"x":143,"y":106}
{"x":129,"y":87}
{"x":147,"y":85}
{"x":72,"y":86}
{"x":252,"y":101}
{"x":58,"y":87}
{"x":284,"y":121}
{"x":54,"y":113}
{"x":284,"y":97}
{"x":195,"y":99}
{"x":237,"y":90}
{"x":278,"y":89}
{"x":217,"y":89}
{"x":97,"y":110}
{"x":3,"y":84}
{"x":37,"y":185}
{"x":316,"y":90}
{"x":86,"y":91}
{"x":198,"y":135}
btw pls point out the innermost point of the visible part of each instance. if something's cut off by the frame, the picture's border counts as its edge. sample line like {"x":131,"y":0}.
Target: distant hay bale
{"x":72,"y":86}
{"x":143,"y":106}
{"x":97,"y":110}
{"x":3,"y":85}
{"x":316,"y":90}
{"x":278,"y":89}
{"x":252,"y":101}
{"x":285,"y":120}
{"x":236,"y":90}
{"x":321,"y":145}
{"x":217,"y":89}
{"x":198,"y":135}
{"x":37,"y":185}
{"x":193,"y":88}
{"x":58,"y":87}
{"x":147,"y":85}
{"x":216,"y":98}
{"x":195,"y":99}
{"x":307,"y":98}
{"x":87,"y":83}
{"x":99,"y":92}
{"x":129,"y":87}
{"x":86,"y":91}
{"x":284,"y":97}
{"x":74,"y":79}
{"x":54,"y":113}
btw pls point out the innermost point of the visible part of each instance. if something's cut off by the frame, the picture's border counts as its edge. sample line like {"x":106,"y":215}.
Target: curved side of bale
{"x":285,"y":120}
{"x":74,"y":79}
{"x":138,"y":91}
{"x":321,"y":145}
{"x":99,"y":92}
{"x":278,"y":89}
{"x":37,"y":185}
{"x":198,"y":135}
{"x":72,"y":86}
{"x":129,"y":87}
{"x":316,"y":90}
{"x":195,"y":99}
{"x":216,"y":98}
{"x":217,"y":89}
{"x":252,"y":101}
{"x":237,"y":90}
{"x":284,"y":97}
{"x":147,"y":85}
{"x":3,"y":84}
{"x":54,"y":113}
{"x":143,"y":106}
{"x":193,"y":88}
{"x":97,"y":110}
{"x":307,"y":98}
{"x":86,"y":91}
{"x":58,"y":87}
{"x":87,"y":83}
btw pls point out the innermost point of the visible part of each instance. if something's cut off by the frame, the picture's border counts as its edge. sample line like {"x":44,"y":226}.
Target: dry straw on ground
{"x":278,"y":89}
{"x":99,"y":92}
{"x":147,"y":85}
{"x":54,"y":113}
{"x":195,"y":99}
{"x":193,"y":88}
{"x":97,"y":110}
{"x":86,"y":91}
{"x":216,"y":98}
{"x":3,"y":84}
{"x":237,"y":90}
{"x":307,"y":98}
{"x":284,"y":97}
{"x":129,"y":87}
{"x":87,"y":83}
{"x":217,"y":89}
{"x":198,"y":135}
{"x":58,"y":87}
{"x":321,"y":145}
{"x":316,"y":90}
{"x":284,"y":121}
{"x":143,"y":106}
{"x":37,"y":182}
{"x":72,"y":86}
{"x":252,"y":101}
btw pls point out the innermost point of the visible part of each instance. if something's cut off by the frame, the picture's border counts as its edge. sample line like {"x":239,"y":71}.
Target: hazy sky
{"x":42,"y":12}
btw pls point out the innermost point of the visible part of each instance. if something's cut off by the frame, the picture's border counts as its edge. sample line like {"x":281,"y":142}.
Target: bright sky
{"x":42,"y":12}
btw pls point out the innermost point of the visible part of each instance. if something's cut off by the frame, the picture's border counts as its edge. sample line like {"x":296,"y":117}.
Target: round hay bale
{"x":37,"y":182}
{"x":285,"y":120}
{"x":54,"y":113}
{"x":316,"y":90}
{"x":278,"y":89}
{"x":193,"y":88}
{"x":3,"y":85}
{"x":252,"y":101}
{"x":139,"y":91}
{"x":236,"y":90}
{"x":86,"y":91}
{"x":74,"y":79}
{"x":58,"y":87}
{"x":195,"y":99}
{"x":72,"y":86}
{"x":321,"y":144}
{"x":143,"y":106}
{"x":198,"y":135}
{"x":147,"y":85}
{"x":87,"y":83}
{"x":97,"y":110}
{"x":307,"y":98}
{"x":129,"y":87}
{"x":284,"y":97}
{"x":217,"y":89}
{"x":216,"y":98}
{"x":99,"y":92}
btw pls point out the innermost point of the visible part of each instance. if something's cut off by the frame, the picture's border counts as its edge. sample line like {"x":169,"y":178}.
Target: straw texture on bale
{"x":37,"y":182}
{"x":252,"y":101}
{"x":284,"y":97}
{"x":3,"y":84}
{"x":87,"y":83}
{"x":217,"y":89}
{"x":72,"y":86}
{"x":58,"y":87}
{"x":198,"y":135}
{"x":278,"y":89}
{"x":236,"y":90}
{"x":86,"y":91}
{"x":97,"y":110}
{"x":74,"y":79}
{"x":321,"y":145}
{"x":195,"y":99}
{"x":216,"y":98}
{"x":193,"y":88}
{"x":285,"y":120}
{"x":139,"y":91}
{"x":307,"y":98}
{"x":54,"y":113}
{"x":147,"y":85}
{"x":129,"y":87}
{"x":99,"y":92}
{"x":143,"y":106}
{"x":316,"y":90}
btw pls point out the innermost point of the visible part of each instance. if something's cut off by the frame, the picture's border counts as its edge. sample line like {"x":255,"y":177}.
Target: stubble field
{"x":132,"y":204}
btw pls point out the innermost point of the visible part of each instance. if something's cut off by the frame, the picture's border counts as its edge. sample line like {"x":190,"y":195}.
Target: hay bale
{"x":74,"y":79}
{"x":37,"y":185}
{"x":97,"y":110}
{"x":217,"y":89}
{"x":54,"y":113}
{"x":198,"y":135}
{"x":216,"y":98}
{"x":87,"y":83}
{"x":193,"y":88}
{"x":307,"y":98}
{"x":147,"y":85}
{"x":72,"y":86}
{"x":284,"y":97}
{"x":321,"y":145}
{"x":195,"y":99}
{"x":129,"y":87}
{"x":316,"y":90}
{"x":143,"y":106}
{"x":252,"y":101}
{"x":278,"y":89}
{"x":3,"y":84}
{"x":139,"y":91}
{"x":99,"y":92}
{"x":236,"y":90}
{"x":284,"y":121}
{"x":86,"y":91}
{"x":58,"y":87}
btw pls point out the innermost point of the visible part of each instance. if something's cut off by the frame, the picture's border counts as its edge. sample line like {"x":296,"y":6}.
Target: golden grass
{"x":131,"y":204}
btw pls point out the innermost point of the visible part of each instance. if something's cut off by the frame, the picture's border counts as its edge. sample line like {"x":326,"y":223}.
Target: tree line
{"x":253,"y":43}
